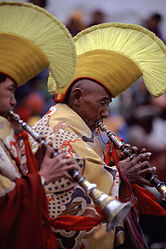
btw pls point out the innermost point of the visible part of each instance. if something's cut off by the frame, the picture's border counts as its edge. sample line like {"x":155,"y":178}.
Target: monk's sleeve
{"x":20,"y":212}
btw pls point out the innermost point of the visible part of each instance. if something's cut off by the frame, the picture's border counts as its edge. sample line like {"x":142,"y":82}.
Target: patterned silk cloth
{"x":10,"y":157}
{"x":68,"y":132}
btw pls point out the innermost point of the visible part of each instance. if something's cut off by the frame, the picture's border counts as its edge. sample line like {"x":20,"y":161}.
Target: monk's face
{"x":7,"y":98}
{"x":93,"y":103}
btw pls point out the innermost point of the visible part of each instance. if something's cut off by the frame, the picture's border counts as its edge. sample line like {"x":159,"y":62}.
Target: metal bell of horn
{"x":113,"y":210}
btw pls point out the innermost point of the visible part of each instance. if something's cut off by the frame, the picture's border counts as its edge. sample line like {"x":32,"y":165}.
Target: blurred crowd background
{"x":135,"y":116}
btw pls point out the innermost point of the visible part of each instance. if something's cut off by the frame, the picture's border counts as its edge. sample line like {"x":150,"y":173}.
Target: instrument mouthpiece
{"x":99,"y":123}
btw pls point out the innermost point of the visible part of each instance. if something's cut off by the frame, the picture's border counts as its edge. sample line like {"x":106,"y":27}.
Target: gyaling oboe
{"x":113,"y":210}
{"x":159,"y":185}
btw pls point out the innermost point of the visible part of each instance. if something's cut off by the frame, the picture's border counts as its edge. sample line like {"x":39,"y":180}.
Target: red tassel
{"x":146,"y":200}
{"x":75,"y":223}
{"x":147,"y":203}
{"x":31,"y":160}
{"x":126,"y":193}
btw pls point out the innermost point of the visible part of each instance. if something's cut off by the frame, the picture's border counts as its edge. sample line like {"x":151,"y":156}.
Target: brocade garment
{"x":68,"y":132}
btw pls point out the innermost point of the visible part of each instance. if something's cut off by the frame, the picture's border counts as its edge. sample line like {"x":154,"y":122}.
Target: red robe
{"x":21,"y":215}
{"x":23,"y":210}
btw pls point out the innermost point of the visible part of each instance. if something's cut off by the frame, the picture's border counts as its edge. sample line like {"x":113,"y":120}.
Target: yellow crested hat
{"x":116,"y":55}
{"x":32,"y":39}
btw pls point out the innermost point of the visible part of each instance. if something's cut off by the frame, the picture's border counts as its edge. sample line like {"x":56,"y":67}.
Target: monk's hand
{"x":137,"y":168}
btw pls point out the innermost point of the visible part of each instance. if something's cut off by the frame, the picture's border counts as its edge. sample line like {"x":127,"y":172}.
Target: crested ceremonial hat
{"x":32,"y":39}
{"x":116,"y":55}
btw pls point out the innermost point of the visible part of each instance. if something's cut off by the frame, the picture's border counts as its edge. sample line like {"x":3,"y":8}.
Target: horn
{"x":113,"y":210}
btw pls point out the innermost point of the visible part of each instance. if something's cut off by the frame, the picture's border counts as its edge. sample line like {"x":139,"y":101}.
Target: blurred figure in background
{"x":153,"y":23}
{"x":97,"y":17}
{"x":75,"y":23}
{"x":40,"y":3}
{"x":32,"y":106}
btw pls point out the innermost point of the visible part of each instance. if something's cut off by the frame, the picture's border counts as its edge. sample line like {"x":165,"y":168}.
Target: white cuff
{"x":43,"y":181}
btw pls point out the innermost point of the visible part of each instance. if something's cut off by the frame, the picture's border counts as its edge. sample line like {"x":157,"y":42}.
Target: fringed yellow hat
{"x":116,"y":55}
{"x":31,"y":39}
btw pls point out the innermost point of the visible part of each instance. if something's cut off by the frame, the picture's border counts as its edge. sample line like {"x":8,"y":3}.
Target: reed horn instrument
{"x":113,"y":210}
{"x":159,"y":185}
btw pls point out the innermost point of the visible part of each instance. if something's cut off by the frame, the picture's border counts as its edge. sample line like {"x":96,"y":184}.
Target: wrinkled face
{"x":7,"y":98}
{"x":93,"y":104}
